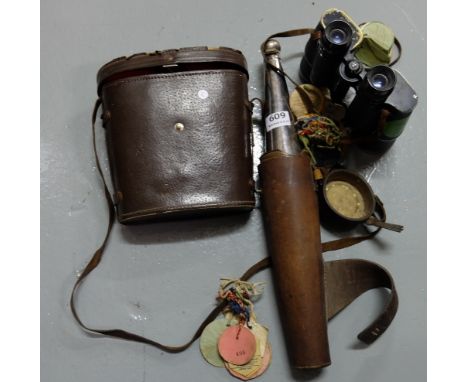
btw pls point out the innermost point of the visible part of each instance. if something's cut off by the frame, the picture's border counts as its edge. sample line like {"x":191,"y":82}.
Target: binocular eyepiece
{"x":324,"y":52}
{"x":364,"y":111}
{"x":378,"y":83}
{"x":337,"y":36}
{"x":375,"y":98}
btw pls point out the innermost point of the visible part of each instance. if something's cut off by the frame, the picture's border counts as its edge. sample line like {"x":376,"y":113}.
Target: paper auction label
{"x":209,"y":341}
{"x":237,"y":345}
{"x":278,"y":119}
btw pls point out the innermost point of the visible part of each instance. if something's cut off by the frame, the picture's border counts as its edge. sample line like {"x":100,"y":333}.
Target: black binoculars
{"x":378,"y":100}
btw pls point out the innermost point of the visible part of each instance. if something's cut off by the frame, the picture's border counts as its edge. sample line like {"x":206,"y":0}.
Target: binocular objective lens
{"x":379,"y":81}
{"x":338,"y":36}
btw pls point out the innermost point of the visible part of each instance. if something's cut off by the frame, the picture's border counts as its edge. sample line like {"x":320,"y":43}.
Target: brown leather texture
{"x":178,"y":133}
{"x":347,"y":279}
{"x":292,"y":229}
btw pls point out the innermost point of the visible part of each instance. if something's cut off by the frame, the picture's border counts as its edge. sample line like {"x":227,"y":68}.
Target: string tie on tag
{"x":238,"y":296}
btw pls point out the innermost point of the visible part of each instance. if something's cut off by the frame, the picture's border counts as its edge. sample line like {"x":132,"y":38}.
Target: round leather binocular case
{"x":348,"y":200}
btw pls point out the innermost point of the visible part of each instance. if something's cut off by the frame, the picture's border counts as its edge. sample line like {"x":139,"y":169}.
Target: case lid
{"x":171,"y":60}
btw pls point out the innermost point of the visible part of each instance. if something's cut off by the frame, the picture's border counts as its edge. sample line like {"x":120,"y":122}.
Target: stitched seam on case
{"x":171,"y":75}
{"x":194,"y":207}
{"x":166,"y":51}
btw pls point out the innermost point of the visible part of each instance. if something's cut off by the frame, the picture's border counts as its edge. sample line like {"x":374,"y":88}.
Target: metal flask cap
{"x":271,"y":46}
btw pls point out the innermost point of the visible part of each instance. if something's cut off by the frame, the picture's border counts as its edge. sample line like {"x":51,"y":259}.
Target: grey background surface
{"x":160,"y":280}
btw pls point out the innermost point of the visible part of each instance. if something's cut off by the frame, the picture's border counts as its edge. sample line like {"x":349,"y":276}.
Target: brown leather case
{"x":292,"y":229}
{"x":178,"y":132}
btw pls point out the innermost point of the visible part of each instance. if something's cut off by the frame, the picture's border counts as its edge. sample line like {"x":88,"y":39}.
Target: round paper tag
{"x":265,"y":362}
{"x":245,"y":371}
{"x":209,"y":341}
{"x":261,"y":334}
{"x":237,"y":345}
{"x":254,"y":368}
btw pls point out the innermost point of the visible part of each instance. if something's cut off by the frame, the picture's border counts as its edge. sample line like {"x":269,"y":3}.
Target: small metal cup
{"x":351,"y":203}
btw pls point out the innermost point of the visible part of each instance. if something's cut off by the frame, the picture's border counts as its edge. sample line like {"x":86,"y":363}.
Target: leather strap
{"x":292,"y":33}
{"x":316,"y":34}
{"x":345,"y":281}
